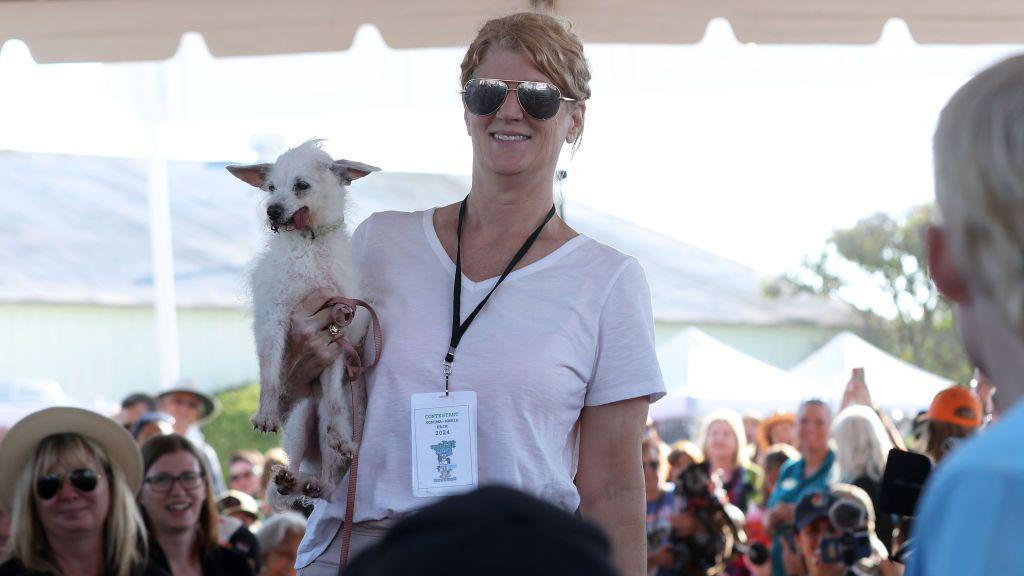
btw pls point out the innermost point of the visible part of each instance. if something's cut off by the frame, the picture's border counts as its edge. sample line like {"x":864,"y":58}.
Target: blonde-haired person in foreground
{"x":559,"y":359}
{"x":68,"y":478}
{"x":972,"y":512}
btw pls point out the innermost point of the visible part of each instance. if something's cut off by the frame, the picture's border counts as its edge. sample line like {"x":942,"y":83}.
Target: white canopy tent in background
{"x":702,"y":375}
{"x":894,"y":384}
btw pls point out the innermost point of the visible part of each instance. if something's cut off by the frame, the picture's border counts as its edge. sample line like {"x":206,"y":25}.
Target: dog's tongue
{"x":300,"y":220}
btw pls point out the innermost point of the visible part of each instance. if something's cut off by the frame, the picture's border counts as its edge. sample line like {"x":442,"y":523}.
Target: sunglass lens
{"x":48,"y":486}
{"x":539,"y":99}
{"x":84,"y":479}
{"x":483,"y":96}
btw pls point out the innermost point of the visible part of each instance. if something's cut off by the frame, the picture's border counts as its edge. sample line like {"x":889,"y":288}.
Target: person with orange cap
{"x":954,"y":415}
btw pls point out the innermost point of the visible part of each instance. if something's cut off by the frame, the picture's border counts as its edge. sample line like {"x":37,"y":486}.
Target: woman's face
{"x":722,"y":444}
{"x":72,"y":511}
{"x":281,"y":560}
{"x":652,"y":462}
{"x":535,"y":144}
{"x":682,"y":463}
{"x":813,"y":429}
{"x":782,"y":433}
{"x":179,"y":508}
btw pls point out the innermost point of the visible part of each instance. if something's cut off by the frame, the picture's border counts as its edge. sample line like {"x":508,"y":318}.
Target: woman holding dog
{"x":540,"y":357}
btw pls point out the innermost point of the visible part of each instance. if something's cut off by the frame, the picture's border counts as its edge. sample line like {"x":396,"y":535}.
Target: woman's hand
{"x":780,"y":514}
{"x":683,"y":524}
{"x":857,"y":391}
{"x":309,"y":349}
{"x":890,"y":568}
{"x":662,"y":557}
{"x":792,"y":561}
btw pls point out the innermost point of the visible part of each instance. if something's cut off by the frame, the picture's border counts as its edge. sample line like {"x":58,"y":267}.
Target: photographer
{"x":835,"y":536}
{"x":811,"y":524}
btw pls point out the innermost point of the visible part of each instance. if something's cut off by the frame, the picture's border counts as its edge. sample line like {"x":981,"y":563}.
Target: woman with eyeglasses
{"x":536,"y":341}
{"x":181,"y":514}
{"x":68,"y":478}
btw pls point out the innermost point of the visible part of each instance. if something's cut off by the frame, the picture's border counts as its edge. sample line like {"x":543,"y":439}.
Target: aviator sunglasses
{"x":83,"y":479}
{"x":484,"y":96}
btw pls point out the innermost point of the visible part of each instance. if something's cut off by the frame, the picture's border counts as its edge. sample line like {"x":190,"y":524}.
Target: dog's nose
{"x":274,"y":212}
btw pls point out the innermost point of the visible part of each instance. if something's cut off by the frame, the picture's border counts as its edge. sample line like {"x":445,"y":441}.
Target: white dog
{"x":310,"y":249}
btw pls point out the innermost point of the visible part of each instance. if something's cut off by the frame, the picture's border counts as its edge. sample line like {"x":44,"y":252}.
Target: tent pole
{"x":161,"y":248}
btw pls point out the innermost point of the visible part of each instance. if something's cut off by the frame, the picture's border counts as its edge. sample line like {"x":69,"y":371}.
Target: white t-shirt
{"x":573,"y":329}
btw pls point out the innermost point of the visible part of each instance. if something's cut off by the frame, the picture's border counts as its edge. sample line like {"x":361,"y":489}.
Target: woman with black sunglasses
{"x":68,"y":478}
{"x":517,"y":351}
{"x":180,"y":512}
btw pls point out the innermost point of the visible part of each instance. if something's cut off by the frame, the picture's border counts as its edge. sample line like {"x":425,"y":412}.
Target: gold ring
{"x":334,"y":330}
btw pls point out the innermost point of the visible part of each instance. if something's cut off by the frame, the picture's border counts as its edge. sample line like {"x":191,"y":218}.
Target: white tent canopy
{"x":703,"y":374}
{"x":893,"y":383}
{"x":120,"y":30}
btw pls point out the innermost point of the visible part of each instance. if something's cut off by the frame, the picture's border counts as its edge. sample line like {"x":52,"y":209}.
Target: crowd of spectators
{"x":145,"y":478}
{"x":791,"y":494}
{"x":785,"y":482}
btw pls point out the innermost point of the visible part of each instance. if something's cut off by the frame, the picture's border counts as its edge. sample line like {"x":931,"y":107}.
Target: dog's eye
{"x":301,"y":185}
{"x":272,"y":188}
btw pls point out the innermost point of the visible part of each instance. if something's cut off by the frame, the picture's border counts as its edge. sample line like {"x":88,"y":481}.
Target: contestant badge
{"x":443,"y":443}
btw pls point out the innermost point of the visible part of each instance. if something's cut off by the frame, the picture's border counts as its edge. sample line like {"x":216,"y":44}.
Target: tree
{"x":879,"y":266}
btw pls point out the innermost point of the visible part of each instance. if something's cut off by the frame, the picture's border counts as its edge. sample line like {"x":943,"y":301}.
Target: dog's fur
{"x":317,"y":431}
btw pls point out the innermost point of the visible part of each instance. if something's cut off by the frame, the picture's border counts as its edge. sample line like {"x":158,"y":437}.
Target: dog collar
{"x":324,"y":229}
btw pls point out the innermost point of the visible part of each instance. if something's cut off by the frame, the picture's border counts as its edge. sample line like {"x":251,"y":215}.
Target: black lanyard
{"x":459,"y":329}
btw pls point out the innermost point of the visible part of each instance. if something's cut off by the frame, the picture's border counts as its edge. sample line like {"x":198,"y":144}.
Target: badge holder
{"x":444,"y":443}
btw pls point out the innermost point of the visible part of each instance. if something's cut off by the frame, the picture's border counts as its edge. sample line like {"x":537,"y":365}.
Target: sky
{"x":753,"y":152}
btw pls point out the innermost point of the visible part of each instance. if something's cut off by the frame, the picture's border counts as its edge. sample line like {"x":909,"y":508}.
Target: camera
{"x":854,"y":543}
{"x":902,"y":482}
{"x":718,"y":532}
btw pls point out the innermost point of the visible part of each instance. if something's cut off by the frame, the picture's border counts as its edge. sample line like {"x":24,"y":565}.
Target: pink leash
{"x":342,"y":312}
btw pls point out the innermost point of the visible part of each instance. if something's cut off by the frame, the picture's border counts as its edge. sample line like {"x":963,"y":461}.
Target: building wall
{"x":102,"y":353}
{"x":781,"y":346}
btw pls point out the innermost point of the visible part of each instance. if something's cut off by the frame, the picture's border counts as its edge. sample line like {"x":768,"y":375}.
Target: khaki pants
{"x":364,"y":535}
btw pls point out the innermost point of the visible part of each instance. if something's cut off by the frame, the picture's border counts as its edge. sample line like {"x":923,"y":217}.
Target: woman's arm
{"x":610,"y":478}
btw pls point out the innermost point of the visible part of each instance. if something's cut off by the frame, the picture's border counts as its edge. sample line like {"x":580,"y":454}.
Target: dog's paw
{"x":340,"y":443}
{"x":312,"y":489}
{"x":266,"y":422}
{"x":284,"y":480}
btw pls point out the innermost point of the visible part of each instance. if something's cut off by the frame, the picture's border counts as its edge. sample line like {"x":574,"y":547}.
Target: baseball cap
{"x":956,"y":405}
{"x":236,"y":501}
{"x":811,"y":507}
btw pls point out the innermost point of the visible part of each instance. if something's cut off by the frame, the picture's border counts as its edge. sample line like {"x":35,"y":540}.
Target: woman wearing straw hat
{"x":68,"y":480}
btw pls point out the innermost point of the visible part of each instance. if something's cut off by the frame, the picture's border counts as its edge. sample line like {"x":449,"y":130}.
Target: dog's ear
{"x":349,"y":170}
{"x":253,"y":174}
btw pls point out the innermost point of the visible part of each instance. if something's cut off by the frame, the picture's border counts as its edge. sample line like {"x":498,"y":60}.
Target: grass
{"x":232,"y":430}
